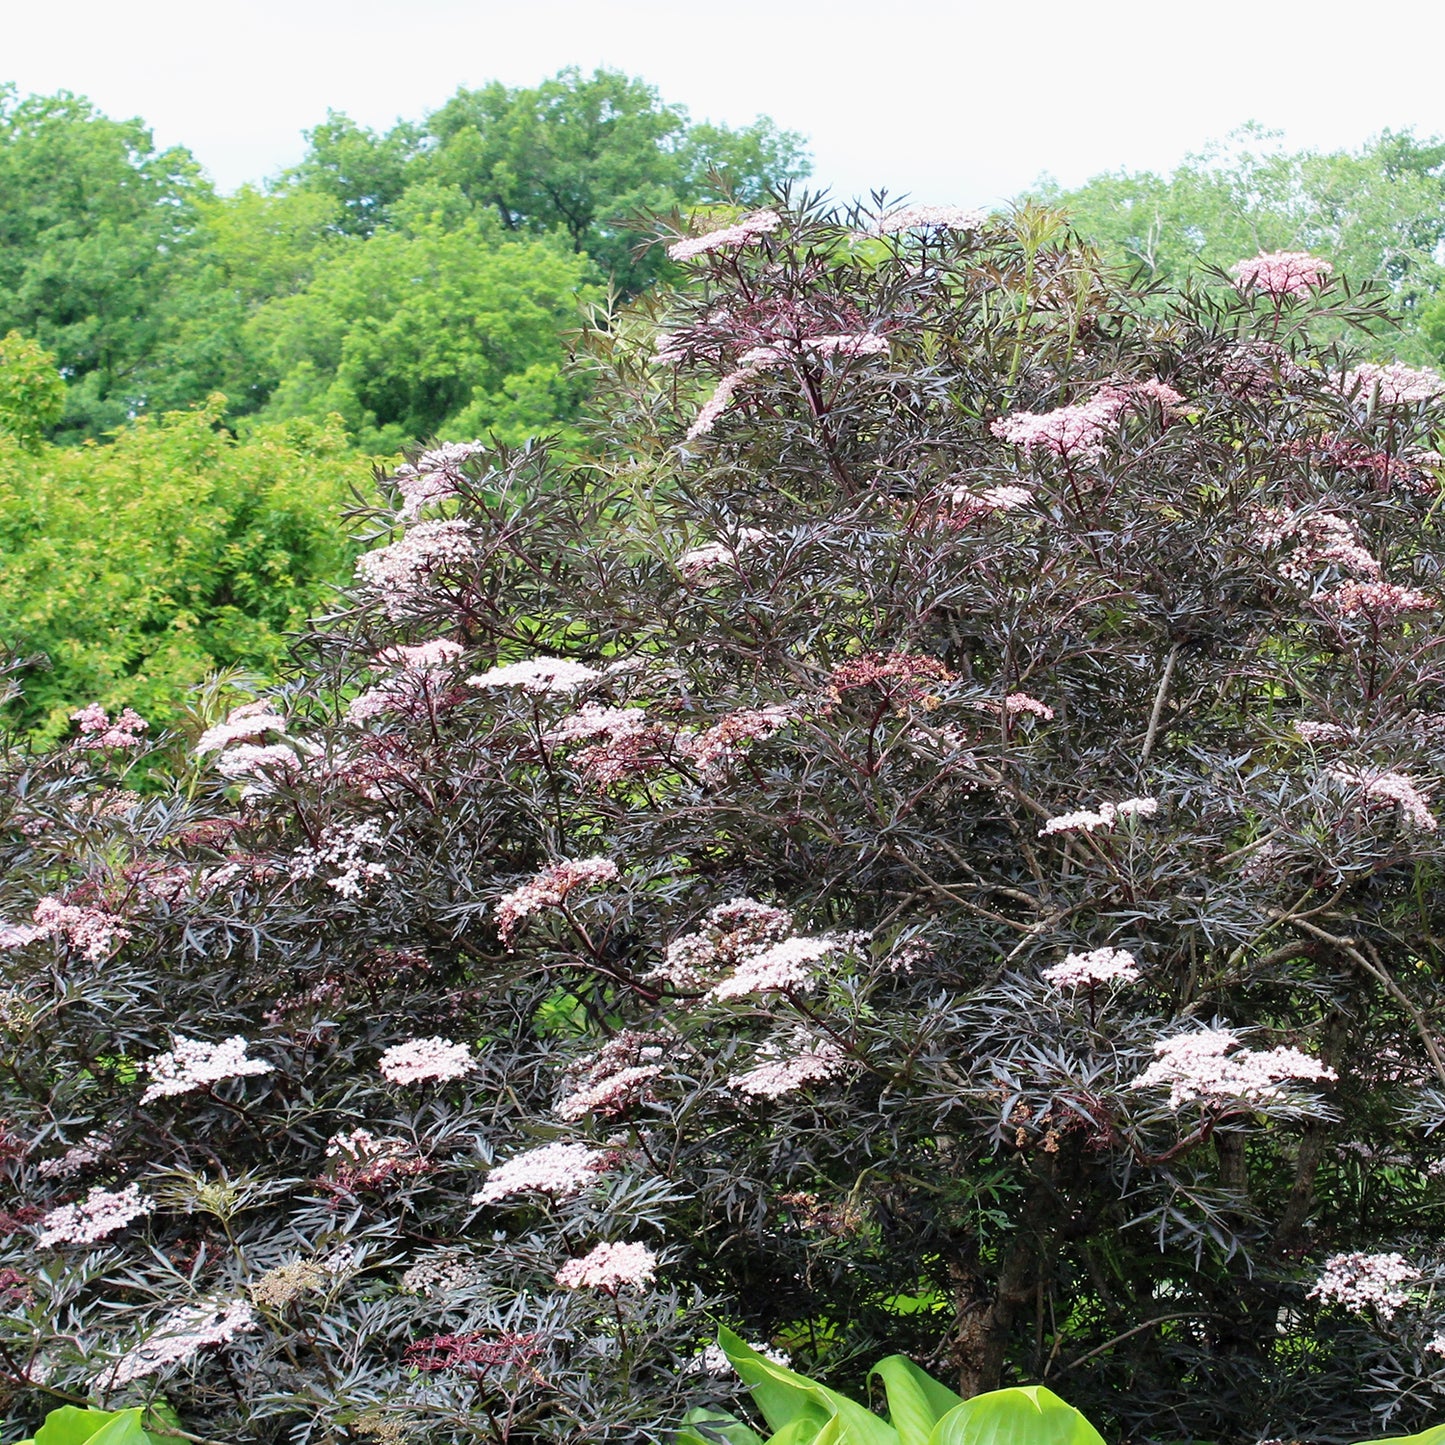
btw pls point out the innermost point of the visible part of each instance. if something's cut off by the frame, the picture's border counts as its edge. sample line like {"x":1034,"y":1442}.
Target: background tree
{"x":92,"y":221}
{"x":133,"y":571}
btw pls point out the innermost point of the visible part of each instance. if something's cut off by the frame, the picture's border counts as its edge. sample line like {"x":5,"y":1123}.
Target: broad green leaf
{"x":916,"y":1401}
{"x":124,"y":1429}
{"x":72,"y":1425}
{"x":1027,"y":1416}
{"x":1435,"y":1435}
{"x":720,"y":1426}
{"x":783,"y":1396}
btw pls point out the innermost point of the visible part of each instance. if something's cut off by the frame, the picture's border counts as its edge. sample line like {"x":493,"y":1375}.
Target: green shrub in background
{"x":137,"y":568}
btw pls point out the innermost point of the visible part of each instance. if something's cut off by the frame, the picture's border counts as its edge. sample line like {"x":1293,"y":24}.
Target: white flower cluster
{"x":101,"y":1214}
{"x":251,"y":720}
{"x":613,"y":1078}
{"x":1086,"y":821}
{"x":342,"y":848}
{"x":441,"y":1274}
{"x":1088,"y":970}
{"x":418,"y":1060}
{"x":556,"y":1169}
{"x":809,"y":1062}
{"x":609,"y":1267}
{"x":697,"y":561}
{"x":179,"y":1336}
{"x":1361,"y":1281}
{"x":191,"y":1064}
{"x":399,"y":574}
{"x":434,"y":477}
{"x":538,"y":675}
{"x":1209,"y":1066}
{"x":783,"y":968}
{"x":713,"y":1360}
{"x":89,"y":1151}
{"x":930,"y":218}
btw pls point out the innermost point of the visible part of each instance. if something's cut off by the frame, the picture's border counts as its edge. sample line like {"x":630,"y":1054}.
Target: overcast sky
{"x":965,"y":102}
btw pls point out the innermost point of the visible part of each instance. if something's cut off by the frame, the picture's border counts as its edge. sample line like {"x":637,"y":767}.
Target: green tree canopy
{"x":92,"y":218}
{"x":138,"y":568}
{"x":426,"y":328}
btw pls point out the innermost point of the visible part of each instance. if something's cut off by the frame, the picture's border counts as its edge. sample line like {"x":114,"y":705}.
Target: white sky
{"x":963,"y":102}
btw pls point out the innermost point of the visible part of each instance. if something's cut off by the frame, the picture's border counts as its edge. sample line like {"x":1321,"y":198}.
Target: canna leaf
{"x":916,"y":1401}
{"x":784,"y":1396}
{"x":1435,"y":1435}
{"x":707,"y":1427}
{"x":1021,"y":1416}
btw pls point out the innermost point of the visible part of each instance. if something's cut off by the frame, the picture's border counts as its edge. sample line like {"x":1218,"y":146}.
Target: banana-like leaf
{"x":916,"y":1401}
{"x":1019,"y":1416}
{"x":784,"y":1396}
{"x":71,"y":1425}
{"x":1435,"y":1435}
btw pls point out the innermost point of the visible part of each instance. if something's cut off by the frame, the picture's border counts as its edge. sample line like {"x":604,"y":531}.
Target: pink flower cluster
{"x":560,"y":1170}
{"x":400,"y":574}
{"x":697,"y":561}
{"x":714,"y":749}
{"x":1089,"y":970}
{"x":783,"y":968}
{"x":746,"y":232}
{"x":1078,"y":431}
{"x":809,"y":1061}
{"x":102,"y":1213}
{"x":929,"y":218}
{"x":94,"y":931}
{"x":966,"y":507}
{"x":419,"y":1060}
{"x":1281,"y":273}
{"x":614,"y":1078}
{"x":1393,"y":385}
{"x":191,"y":1064}
{"x":537,"y":675}
{"x":1316,"y":733}
{"x":1321,"y":539}
{"x":622,"y":743}
{"x":549,"y":889}
{"x":181,"y":1335}
{"x":250,"y":720}
{"x":1396,"y":788}
{"x":419,"y":674}
{"x":722,"y":397}
{"x":731,"y":932}
{"x":1379,"y":600}
{"x":859,"y":343}
{"x":434,"y":477}
{"x":1210,"y":1066}
{"x":609,"y":1267}
{"x":97,"y":731}
{"x":80,"y":1156}
{"x":1359,"y":1282}
{"x":1086,"y":820}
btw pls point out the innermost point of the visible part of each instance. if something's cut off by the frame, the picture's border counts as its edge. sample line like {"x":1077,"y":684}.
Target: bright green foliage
{"x":799,"y":1411}
{"x":71,"y":1425}
{"x":138,"y":568}
{"x":32,"y":393}
{"x":426,"y":329}
{"x":92,"y":218}
{"x":1378,"y":213}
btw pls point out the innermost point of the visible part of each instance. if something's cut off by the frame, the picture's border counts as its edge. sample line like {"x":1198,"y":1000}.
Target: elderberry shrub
{"x":920,"y":838}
